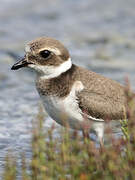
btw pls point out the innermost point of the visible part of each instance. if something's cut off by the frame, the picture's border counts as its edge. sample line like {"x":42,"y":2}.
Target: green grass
{"x":70,"y":155}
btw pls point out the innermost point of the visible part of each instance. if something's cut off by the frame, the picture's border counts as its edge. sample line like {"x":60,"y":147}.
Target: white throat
{"x":48,"y":72}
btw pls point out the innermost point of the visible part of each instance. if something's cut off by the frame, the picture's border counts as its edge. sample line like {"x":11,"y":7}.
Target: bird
{"x":72,"y":94}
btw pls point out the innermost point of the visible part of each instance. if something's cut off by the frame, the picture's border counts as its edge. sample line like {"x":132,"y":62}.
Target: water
{"x":99,"y":36}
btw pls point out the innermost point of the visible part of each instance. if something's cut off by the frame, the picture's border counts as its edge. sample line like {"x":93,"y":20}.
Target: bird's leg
{"x":85,"y":133}
{"x":101,"y":142}
{"x":99,"y":130}
{"x":86,"y":125}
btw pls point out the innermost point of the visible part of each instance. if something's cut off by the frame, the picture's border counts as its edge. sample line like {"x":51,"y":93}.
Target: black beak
{"x":20,"y":64}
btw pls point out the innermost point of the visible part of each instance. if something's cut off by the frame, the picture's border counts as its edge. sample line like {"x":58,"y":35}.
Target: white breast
{"x":65,"y":109}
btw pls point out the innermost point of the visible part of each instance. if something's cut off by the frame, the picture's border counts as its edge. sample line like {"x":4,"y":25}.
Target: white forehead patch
{"x":27,"y":48}
{"x":54,"y":50}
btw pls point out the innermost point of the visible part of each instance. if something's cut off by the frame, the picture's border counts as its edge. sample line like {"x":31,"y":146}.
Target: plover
{"x":71,"y":93}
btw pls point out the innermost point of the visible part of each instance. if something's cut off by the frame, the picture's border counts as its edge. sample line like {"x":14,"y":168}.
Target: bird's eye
{"x":45,"y":54}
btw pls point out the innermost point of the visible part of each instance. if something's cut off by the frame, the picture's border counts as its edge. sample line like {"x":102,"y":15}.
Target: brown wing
{"x":100,"y":106}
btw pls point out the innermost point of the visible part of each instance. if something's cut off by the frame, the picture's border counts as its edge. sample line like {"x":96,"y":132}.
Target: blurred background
{"x":100,"y":35}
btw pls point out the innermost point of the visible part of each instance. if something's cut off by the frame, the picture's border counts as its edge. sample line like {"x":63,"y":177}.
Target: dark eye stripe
{"x":45,"y":54}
